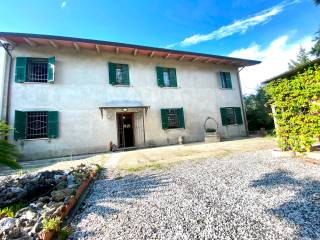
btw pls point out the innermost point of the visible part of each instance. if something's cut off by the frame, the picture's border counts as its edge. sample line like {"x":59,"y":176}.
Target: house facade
{"x":67,"y":96}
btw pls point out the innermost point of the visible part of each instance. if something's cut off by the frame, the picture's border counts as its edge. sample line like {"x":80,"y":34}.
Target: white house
{"x":75,"y":96}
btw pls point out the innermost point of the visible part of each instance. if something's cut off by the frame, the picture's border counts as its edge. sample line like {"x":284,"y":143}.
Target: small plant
{"x":51,"y":224}
{"x":10,"y":211}
{"x":211,"y":130}
{"x":65,"y":232}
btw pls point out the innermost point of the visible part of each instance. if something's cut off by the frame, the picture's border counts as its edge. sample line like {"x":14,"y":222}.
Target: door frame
{"x":131,"y":114}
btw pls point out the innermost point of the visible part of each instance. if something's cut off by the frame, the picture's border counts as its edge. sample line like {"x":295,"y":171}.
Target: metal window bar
{"x":38,"y":70}
{"x":37,"y":125}
{"x":119,"y":70}
{"x":231,"y":116}
{"x":173,"y":119}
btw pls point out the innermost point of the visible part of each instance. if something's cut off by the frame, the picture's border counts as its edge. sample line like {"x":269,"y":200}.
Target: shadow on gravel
{"x":108,"y":195}
{"x":304,"y":208}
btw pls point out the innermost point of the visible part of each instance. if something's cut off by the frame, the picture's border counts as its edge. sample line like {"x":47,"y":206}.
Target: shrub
{"x":297,"y":102}
{"x":51,"y":224}
{"x":10,"y":211}
{"x":65,"y":232}
{"x":8,"y":152}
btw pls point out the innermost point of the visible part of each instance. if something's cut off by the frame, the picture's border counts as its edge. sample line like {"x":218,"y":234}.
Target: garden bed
{"x":33,"y":206}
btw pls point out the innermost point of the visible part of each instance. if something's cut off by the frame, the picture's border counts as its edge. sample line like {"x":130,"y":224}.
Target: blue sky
{"x":242,"y":28}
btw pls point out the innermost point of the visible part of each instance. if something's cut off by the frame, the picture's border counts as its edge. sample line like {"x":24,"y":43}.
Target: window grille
{"x":173,"y":118}
{"x":230,"y":116}
{"x":37,"y":125}
{"x":38,"y":70}
{"x":166,"y":79}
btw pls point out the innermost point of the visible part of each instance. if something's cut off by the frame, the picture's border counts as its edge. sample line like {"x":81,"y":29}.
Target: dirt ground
{"x":158,"y":157}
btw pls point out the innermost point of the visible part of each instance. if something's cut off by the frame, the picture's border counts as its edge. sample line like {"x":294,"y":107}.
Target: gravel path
{"x":243,"y":196}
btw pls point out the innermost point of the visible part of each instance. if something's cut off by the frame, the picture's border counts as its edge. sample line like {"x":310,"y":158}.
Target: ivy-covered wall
{"x":297,"y":112}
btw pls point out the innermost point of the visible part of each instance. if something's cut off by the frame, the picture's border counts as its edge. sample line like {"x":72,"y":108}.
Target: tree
{"x":8,"y":152}
{"x":302,"y":59}
{"x":317,"y":2}
{"x":258,"y":111}
{"x":315,"y":50}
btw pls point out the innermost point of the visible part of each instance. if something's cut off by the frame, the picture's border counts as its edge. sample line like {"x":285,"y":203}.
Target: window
{"x":231,"y":116}
{"x":36,"y":124}
{"x":225,"y":80}
{"x":35,"y":70}
{"x":172,"y":118}
{"x":166,"y":77}
{"x":119,"y":74}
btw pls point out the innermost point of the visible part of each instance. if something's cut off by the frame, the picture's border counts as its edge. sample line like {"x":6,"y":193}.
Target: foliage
{"x":51,"y":224}
{"x":65,"y":232}
{"x":10,"y":211}
{"x":302,"y":59}
{"x":317,"y":2}
{"x":297,"y":102}
{"x":258,"y":111}
{"x":315,"y":50}
{"x":8,"y":152}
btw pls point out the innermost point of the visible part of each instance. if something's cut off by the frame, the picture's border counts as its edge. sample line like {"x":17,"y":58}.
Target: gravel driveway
{"x":243,"y":196}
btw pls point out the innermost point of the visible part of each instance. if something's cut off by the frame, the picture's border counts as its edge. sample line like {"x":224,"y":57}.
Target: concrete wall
{"x":2,"y":79}
{"x":82,"y":86}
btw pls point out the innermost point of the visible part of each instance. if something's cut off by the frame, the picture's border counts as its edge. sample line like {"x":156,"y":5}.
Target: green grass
{"x":10,"y":211}
{"x":151,"y":166}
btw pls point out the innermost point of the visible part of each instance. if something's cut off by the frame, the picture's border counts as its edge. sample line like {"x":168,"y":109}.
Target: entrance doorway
{"x":125,"y":130}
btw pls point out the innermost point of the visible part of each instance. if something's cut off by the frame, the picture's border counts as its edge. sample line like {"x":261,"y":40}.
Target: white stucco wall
{"x":2,"y":78}
{"x":82,"y":85}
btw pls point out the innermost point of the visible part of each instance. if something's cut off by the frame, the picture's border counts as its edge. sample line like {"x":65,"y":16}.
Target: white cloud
{"x":274,"y":57}
{"x":238,"y":26}
{"x":63,"y":4}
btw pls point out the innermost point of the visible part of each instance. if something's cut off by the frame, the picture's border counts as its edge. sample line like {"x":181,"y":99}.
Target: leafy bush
{"x":51,"y":224}
{"x":8,"y":152}
{"x":297,"y":102}
{"x":258,"y":111}
{"x":65,"y":232}
{"x":10,"y":211}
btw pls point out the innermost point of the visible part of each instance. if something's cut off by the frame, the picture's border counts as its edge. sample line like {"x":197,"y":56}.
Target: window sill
{"x":35,"y":139}
{"x":170,"y":87}
{"x":37,"y":82}
{"x":236,"y":124}
{"x":121,"y":85}
{"x":168,"y":129}
{"x":226,"y":88}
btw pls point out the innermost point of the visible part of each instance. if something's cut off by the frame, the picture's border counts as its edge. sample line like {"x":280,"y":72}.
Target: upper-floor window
{"x":36,"y":124}
{"x":225,"y":80}
{"x":231,"y":116}
{"x":166,"y":77}
{"x":119,"y":74}
{"x":35,"y":70}
{"x":172,"y":118}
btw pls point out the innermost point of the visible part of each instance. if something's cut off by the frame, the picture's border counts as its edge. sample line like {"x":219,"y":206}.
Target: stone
{"x":37,"y":226}
{"x":7,"y":224}
{"x":14,"y":232}
{"x":61,"y":185}
{"x":58,"y":195}
{"x":29,"y":215}
{"x":45,"y":199}
{"x":70,"y":179}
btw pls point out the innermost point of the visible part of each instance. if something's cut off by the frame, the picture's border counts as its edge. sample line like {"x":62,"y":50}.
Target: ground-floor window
{"x":172,"y":118}
{"x":231,"y":116}
{"x":36,"y":124}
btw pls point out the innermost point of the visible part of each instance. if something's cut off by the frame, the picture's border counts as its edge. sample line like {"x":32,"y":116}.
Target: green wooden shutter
{"x":53,"y":124}
{"x":223,"y":112}
{"x":160,"y":76}
{"x":112,"y":73}
{"x":238,"y":115}
{"x":19,"y":125}
{"x":125,"y":74}
{"x":164,"y":118}
{"x":51,"y":69}
{"x":21,"y":69}
{"x":173,"y":77}
{"x":228,"y":80}
{"x":181,"y":118}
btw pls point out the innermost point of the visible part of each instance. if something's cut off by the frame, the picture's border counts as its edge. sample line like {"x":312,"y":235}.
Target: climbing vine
{"x":297,"y":109}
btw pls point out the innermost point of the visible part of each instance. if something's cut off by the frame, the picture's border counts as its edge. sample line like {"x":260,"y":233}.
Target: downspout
{"x":7,"y":47}
{"x":242,"y":104}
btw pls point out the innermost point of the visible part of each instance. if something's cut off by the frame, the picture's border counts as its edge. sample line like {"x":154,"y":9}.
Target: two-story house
{"x":68,"y":95}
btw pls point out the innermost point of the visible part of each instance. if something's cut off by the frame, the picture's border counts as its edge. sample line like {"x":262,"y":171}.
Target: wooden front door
{"x":125,"y":130}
